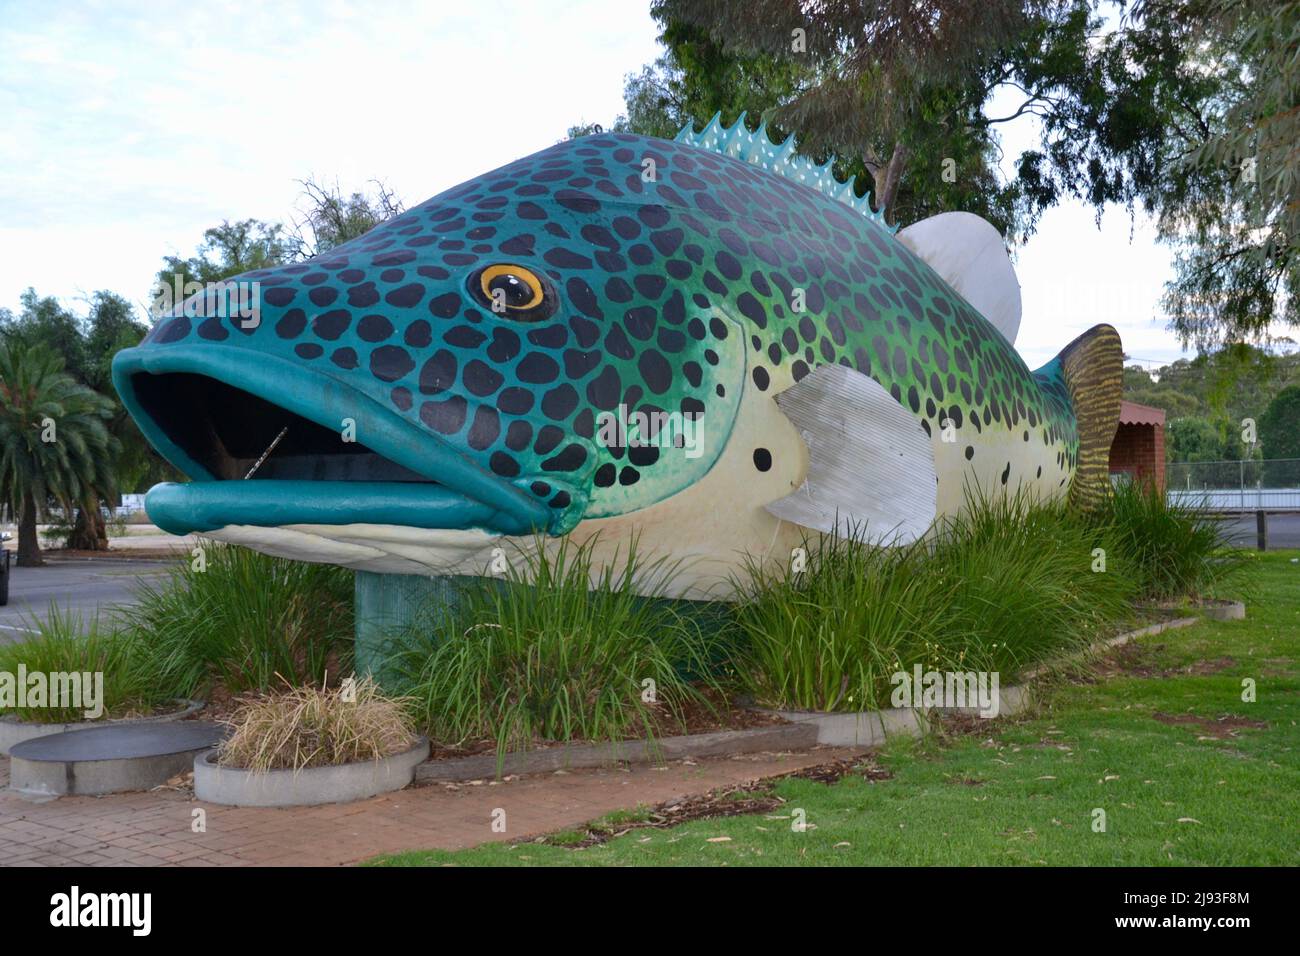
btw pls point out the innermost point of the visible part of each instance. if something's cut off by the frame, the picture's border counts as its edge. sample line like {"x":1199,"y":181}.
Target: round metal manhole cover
{"x":121,"y":742}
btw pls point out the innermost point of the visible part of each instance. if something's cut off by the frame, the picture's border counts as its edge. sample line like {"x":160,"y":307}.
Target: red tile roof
{"x":1131,"y":413}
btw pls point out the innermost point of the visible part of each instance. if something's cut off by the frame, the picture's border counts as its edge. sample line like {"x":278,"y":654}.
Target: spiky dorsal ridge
{"x":739,"y":143}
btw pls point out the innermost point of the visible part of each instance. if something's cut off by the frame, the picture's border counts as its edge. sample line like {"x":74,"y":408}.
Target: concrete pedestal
{"x":387,"y":604}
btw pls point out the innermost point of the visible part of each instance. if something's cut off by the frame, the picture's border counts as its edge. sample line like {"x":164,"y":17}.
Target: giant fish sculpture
{"x":709,"y":344}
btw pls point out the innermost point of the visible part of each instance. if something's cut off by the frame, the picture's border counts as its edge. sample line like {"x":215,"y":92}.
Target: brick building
{"x":1139,"y":446}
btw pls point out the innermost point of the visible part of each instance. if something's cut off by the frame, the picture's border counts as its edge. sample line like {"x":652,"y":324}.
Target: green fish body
{"x":594,"y":339}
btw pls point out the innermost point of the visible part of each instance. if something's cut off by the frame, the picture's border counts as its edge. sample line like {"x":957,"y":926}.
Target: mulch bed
{"x":737,"y":801}
{"x":1222,"y":727}
{"x":1140,"y":660}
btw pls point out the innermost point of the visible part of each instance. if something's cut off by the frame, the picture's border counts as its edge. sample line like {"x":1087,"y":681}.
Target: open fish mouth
{"x":264,"y":444}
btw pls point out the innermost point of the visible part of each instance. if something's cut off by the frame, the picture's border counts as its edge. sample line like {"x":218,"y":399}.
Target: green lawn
{"x":1173,"y":792}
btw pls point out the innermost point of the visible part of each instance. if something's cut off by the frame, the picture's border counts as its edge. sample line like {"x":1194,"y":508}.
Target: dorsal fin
{"x":756,"y":148}
{"x":970,"y":255}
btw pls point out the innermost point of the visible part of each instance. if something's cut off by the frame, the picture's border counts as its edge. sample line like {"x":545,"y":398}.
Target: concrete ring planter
{"x":14,"y":731}
{"x":236,"y":787}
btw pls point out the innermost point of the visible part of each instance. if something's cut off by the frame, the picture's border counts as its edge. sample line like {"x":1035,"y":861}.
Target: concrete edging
{"x":578,"y":756}
{"x":232,"y":786}
{"x":1227,"y":611}
{"x":14,"y":731}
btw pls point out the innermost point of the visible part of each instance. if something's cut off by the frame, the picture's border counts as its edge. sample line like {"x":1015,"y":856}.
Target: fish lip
{"x":465,"y":491}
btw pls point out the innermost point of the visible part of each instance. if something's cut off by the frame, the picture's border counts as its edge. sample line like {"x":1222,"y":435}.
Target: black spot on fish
{"x":438,"y":373}
{"x":330,"y":325}
{"x":640,"y":322}
{"x":290,"y":326}
{"x":465,"y":337}
{"x":616,"y":344}
{"x":374,"y":328}
{"x":446,"y":417}
{"x":571,"y":458}
{"x":503,"y":464}
{"x":446,"y":305}
{"x":560,"y":402}
{"x":418,"y":334}
{"x":406,"y":297}
{"x":565,"y":259}
{"x":505,"y":345}
{"x":537,"y":368}
{"x":581,"y":295}
{"x":656,"y":371}
{"x":388,"y":363}
{"x":519,"y":435}
{"x":605,"y":389}
{"x":482,"y":379}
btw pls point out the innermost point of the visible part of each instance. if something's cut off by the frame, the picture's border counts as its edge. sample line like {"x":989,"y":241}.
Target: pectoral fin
{"x":871,"y":465}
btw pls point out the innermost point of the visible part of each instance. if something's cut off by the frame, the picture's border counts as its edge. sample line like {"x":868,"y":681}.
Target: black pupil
{"x":510,"y":289}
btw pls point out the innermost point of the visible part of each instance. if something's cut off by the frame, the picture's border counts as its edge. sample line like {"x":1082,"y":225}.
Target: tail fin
{"x":1093,"y":367}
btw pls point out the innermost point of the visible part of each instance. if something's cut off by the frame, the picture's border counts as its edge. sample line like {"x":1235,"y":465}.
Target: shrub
{"x":63,"y":643}
{"x":1027,"y":583}
{"x":1174,"y":550}
{"x":247,"y":622}
{"x":998,"y":588}
{"x":554,"y":652}
{"x":316,"y":727}
{"x":828,"y":636}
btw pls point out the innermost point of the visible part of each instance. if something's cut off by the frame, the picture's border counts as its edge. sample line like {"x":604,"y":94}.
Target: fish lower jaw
{"x":380,"y":548}
{"x":206,"y":506}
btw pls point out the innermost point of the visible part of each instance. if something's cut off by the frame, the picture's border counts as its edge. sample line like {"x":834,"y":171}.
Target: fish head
{"x":532,"y":348}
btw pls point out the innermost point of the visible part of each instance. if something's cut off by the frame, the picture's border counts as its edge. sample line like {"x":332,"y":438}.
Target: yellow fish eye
{"x":510,"y":288}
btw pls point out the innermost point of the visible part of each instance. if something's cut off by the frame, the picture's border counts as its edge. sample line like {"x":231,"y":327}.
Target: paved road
{"x":83,"y":585}
{"x":1283,"y":531}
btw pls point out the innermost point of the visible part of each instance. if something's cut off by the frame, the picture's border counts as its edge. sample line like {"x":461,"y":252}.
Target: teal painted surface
{"x":736,"y":267}
{"x":182,"y":508}
{"x":327,"y":403}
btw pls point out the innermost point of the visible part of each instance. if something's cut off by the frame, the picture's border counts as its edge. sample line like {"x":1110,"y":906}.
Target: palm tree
{"x":54,"y":442}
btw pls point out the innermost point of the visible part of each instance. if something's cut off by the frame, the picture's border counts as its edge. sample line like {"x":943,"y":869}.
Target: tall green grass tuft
{"x":247,"y":622}
{"x":1175,"y":550}
{"x":1030,"y":580}
{"x":827,"y":636}
{"x":555,"y":652}
{"x":998,"y":588}
{"x":64,"y":643}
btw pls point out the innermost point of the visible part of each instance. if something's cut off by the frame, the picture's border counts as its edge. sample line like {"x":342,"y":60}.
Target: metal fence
{"x":1270,"y":484}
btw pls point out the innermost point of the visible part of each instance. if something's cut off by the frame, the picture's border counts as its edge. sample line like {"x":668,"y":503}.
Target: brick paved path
{"x":153,"y":829}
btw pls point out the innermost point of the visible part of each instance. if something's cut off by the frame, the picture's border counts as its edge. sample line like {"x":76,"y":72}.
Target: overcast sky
{"x":126,"y":129}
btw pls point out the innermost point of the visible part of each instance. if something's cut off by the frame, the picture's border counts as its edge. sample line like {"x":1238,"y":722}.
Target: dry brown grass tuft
{"x":316,"y":727}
